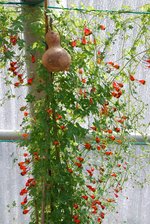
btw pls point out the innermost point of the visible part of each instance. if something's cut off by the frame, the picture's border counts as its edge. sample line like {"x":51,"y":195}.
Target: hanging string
{"x":45,"y":15}
{"x":78,"y":9}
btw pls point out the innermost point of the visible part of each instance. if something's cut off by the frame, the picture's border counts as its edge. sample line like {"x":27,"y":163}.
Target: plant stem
{"x":43,"y":203}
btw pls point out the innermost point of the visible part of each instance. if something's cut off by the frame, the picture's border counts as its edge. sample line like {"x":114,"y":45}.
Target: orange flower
{"x":132,"y":78}
{"x":108,"y":153}
{"x":87,"y":31}
{"x":25,"y":211}
{"x":102,"y":27}
{"x":110,"y":63}
{"x":119,"y":141}
{"x":98,"y":147}
{"x":99,"y":61}
{"x":97,"y":139}
{"x":87,"y":145}
{"x":29,"y":81}
{"x":70,"y":170}
{"x":25,"y":135}
{"x":142,"y":81}
{"x":26,"y":113}
{"x":114,"y":175}
{"x":73,"y":43}
{"x":110,"y":200}
{"x":80,"y":159}
{"x":116,"y":66}
{"x":84,"y":41}
{"x":81,"y":71}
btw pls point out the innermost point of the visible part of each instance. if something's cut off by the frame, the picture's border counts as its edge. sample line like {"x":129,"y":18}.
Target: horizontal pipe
{"x":14,"y":135}
{"x":10,"y":135}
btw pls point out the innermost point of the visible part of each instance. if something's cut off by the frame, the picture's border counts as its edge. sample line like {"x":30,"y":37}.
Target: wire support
{"x":78,"y":9}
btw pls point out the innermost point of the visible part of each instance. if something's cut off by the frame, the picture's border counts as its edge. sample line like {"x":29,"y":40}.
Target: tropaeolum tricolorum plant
{"x":75,"y":136}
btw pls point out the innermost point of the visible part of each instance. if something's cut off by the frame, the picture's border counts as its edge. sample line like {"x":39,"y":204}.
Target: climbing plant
{"x":77,"y":123}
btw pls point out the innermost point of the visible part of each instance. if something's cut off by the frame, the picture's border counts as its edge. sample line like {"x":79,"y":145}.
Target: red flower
{"x":84,"y":41}
{"x":23,"y":191}
{"x":108,"y":153}
{"x":98,"y":147}
{"x":25,"y":135}
{"x":99,"y":220}
{"x":20,"y":76}
{"x":29,"y":81}
{"x":76,"y":206}
{"x":97,"y":139}
{"x":25,"y":154}
{"x":73,"y":43}
{"x":83,"y":80}
{"x":116,"y":66}
{"x":87,"y":145}
{"x":50,"y":111}
{"x":117,"y":129}
{"x":91,"y":188}
{"x":148,"y":60}
{"x":110,"y":63}
{"x":13,"y":63}
{"x":87,"y":31}
{"x":132,"y":78}
{"x":85,"y":197}
{"x":102,"y":215}
{"x":112,"y":137}
{"x":114,"y":175}
{"x":24,"y":201}
{"x":58,"y":116}
{"x":78,"y":164}
{"x":25,"y":211}
{"x":116,"y":195}
{"x":109,"y":131}
{"x":26,"y":113}
{"x":103,"y":207}
{"x":91,"y":100}
{"x":23,"y":173}
{"x":90,"y":172}
{"x":13,"y":40}
{"x":102,"y":27}
{"x":80,"y":159}
{"x":77,"y":221}
{"x":92,"y":196}
{"x":142,"y":81}
{"x":70,"y":170}
{"x":120,"y":84}
{"x":16,"y":84}
{"x":33,"y":59}
{"x":56,"y":143}
{"x":81,"y":71}
{"x":62,"y":127}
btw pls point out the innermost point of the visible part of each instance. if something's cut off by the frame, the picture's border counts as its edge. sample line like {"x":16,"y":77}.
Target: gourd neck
{"x":54,"y":44}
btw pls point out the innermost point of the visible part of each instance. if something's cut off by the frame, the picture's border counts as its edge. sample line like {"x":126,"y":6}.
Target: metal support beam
{"x":6,"y":135}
